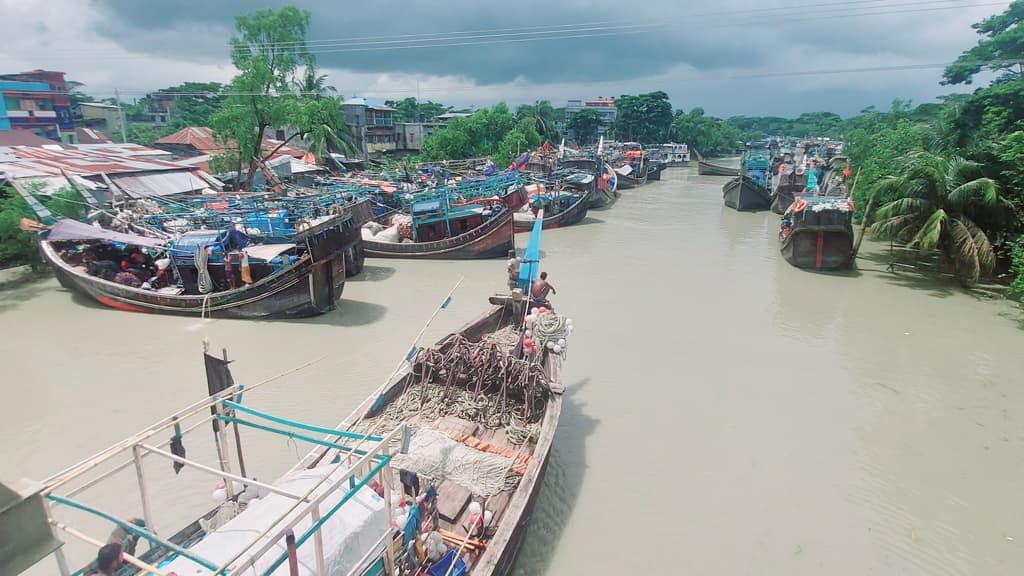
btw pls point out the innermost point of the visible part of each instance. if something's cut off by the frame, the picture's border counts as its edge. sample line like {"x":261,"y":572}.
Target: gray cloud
{"x":704,"y":40}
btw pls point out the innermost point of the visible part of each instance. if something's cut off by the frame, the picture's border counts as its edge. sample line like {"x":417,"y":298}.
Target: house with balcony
{"x":372,"y":125}
{"x":36,"y":101}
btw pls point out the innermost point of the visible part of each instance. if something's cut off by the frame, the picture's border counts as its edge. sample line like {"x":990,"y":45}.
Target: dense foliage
{"x":412,"y":110}
{"x":585,"y":126}
{"x":707,"y":135}
{"x":17,"y":247}
{"x":645,"y":118}
{"x":491,"y":132}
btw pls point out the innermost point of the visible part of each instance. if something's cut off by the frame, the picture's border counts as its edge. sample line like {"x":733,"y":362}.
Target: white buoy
{"x":561,"y":342}
{"x":557,"y":349}
{"x":529,"y":333}
{"x":533,"y":310}
{"x":549,"y":345}
{"x":474,"y":508}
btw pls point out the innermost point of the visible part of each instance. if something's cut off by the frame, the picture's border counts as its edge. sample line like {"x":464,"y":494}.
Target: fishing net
{"x":436,"y":455}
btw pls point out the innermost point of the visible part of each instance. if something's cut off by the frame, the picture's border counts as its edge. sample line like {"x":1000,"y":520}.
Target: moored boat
{"x":563,"y":207}
{"x":817,"y":233}
{"x":439,"y":230}
{"x":298,"y":279}
{"x":709,"y":169}
{"x":744,"y":194}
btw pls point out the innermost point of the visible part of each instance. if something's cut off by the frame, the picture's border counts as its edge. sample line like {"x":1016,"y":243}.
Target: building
{"x":106,"y":117}
{"x":196,"y":146}
{"x":36,"y":101}
{"x":603,"y":106}
{"x":372,"y":126}
{"x":409,"y":136}
{"x":105,"y":171}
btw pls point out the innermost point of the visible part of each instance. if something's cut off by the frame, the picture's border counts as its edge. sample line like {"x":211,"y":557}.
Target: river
{"x":725,"y":412}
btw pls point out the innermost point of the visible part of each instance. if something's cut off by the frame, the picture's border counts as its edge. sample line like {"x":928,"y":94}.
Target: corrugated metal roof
{"x":91,"y":136}
{"x":22,"y":138}
{"x":160,"y":183}
{"x":201,"y":138}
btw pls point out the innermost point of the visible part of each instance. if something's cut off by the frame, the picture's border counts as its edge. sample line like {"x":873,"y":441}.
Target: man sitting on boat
{"x":541,"y":288}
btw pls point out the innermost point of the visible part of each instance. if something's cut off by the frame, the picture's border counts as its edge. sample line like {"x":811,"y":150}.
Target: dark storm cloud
{"x":700,"y":37}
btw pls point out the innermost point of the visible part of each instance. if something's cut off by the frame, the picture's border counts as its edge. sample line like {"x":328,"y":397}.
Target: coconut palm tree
{"x":543,"y":114}
{"x":312,"y":84}
{"x":934,"y":204}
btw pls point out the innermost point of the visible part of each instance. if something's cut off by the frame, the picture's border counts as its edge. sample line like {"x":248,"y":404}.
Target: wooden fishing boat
{"x":449,"y":452}
{"x":744,"y":194}
{"x":654,"y":170}
{"x":817,"y":233}
{"x":570,"y":211}
{"x":709,"y":169}
{"x":784,"y":196}
{"x":607,"y":188}
{"x":307,"y":280}
{"x":471,"y":235}
{"x":629,"y":179}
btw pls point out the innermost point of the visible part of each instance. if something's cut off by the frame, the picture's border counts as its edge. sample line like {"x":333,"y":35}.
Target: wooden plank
{"x":452,"y":500}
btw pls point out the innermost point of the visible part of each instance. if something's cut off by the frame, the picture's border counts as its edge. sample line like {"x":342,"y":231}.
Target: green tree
{"x":646,"y":118}
{"x":543,"y":116}
{"x":475,"y":136}
{"x":311,"y":83}
{"x":17,"y":247}
{"x":520,"y":139}
{"x":935,"y":204}
{"x":585,"y":126}
{"x":707,"y":135}
{"x":268,"y":49}
{"x":1000,"y":49}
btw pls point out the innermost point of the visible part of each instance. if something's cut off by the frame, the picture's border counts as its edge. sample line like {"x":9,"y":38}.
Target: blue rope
{"x":129,"y":527}
{"x":300,"y":425}
{"x":319,"y":524}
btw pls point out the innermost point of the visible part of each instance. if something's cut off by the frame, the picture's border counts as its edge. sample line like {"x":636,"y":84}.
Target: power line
{"x":691,"y":78}
{"x":786,"y":14}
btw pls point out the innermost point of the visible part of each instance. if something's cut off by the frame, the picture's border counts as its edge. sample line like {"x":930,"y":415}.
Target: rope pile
{"x":476,"y":381}
{"x":548,"y":330}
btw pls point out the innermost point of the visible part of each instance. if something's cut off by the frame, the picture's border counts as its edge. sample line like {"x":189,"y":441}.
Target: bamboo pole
{"x":210,"y":470}
{"x":147,"y":512}
{"x":89,"y":540}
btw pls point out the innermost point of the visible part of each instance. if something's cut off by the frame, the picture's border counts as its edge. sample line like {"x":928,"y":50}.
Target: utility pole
{"x":120,"y":117}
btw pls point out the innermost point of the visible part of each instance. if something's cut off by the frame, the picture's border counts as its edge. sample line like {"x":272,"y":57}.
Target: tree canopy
{"x":585,"y":125}
{"x":269,"y":51}
{"x":1000,"y":49}
{"x":645,"y":118}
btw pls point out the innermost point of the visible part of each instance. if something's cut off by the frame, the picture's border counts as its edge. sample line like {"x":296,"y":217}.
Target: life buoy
{"x":799,"y":205}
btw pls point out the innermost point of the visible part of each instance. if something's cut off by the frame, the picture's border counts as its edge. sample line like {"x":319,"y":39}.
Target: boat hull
{"x":492,"y":240}
{"x":310,"y":287}
{"x":819,"y":247}
{"x":571,"y":215}
{"x":744,"y":195}
{"x":709,"y":169}
{"x":654,"y":171}
{"x":783,"y":198}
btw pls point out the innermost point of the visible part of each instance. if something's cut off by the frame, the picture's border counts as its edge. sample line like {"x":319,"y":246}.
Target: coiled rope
{"x":202,"y":260}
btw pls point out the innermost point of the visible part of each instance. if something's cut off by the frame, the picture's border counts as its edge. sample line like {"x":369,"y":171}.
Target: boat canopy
{"x":71,"y":230}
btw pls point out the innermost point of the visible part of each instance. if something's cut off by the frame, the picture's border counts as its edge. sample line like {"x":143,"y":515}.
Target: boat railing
{"x":352,"y":468}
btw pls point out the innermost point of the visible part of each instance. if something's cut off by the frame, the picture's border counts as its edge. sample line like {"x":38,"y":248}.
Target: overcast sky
{"x":732,"y":57}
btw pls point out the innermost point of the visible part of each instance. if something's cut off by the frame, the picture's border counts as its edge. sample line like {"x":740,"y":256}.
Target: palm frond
{"x":964,"y":252}
{"x":983,"y":190}
{"x":903,"y":206}
{"x":986,"y":253}
{"x":928,"y":235}
{"x":892,"y":227}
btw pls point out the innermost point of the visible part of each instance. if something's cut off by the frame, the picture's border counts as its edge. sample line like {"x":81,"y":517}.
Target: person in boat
{"x":138,"y":263}
{"x":541,"y":288}
{"x":513,"y":269}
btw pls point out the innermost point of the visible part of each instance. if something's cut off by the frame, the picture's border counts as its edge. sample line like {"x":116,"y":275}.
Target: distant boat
{"x":654,"y":170}
{"x":607,"y":188}
{"x":709,"y":169}
{"x":817,"y":233}
{"x":567,"y":206}
{"x":745,"y":195}
{"x":455,"y":232}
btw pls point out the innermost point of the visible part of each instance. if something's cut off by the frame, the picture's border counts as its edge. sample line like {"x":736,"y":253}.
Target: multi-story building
{"x":372,"y":125}
{"x":409,"y":136}
{"x":603,"y":106}
{"x":36,"y":101}
{"x":106,"y":117}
